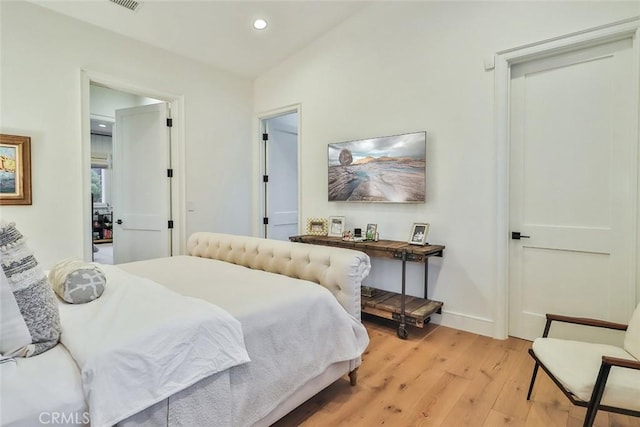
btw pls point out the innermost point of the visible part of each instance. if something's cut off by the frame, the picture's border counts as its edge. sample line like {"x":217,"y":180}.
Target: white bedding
{"x":293,"y":329}
{"x":36,"y":389}
{"x":140,"y":342}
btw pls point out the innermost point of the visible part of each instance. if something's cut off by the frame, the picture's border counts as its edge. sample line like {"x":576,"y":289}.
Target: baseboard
{"x":476,"y":325}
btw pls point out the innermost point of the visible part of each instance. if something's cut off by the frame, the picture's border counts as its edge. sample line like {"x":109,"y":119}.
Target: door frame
{"x":260,"y":161}
{"x":504,"y":60}
{"x":176,"y":104}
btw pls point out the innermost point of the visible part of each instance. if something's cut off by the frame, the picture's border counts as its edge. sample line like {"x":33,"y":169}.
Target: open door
{"x":280,"y":136}
{"x":141,"y":178}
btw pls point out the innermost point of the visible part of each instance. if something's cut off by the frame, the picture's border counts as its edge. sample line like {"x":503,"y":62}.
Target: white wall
{"x":41,"y":57}
{"x":401,"y":67}
{"x":105,"y":101}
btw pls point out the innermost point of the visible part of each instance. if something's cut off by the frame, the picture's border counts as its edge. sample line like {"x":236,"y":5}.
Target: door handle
{"x":120,"y":222}
{"x":515,"y":235}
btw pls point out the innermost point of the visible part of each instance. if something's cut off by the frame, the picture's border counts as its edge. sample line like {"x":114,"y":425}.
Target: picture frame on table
{"x":15,"y":170}
{"x":371,"y":231}
{"x":419,"y":231}
{"x":336,"y":226}
{"x":317,"y":226}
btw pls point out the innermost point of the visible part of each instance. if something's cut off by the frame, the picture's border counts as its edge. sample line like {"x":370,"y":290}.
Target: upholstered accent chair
{"x":595,"y":376}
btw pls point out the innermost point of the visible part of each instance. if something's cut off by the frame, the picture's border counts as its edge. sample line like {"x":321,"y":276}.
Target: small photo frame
{"x":419,"y":231}
{"x":317,"y":226}
{"x":370,"y":233}
{"x":336,"y":226}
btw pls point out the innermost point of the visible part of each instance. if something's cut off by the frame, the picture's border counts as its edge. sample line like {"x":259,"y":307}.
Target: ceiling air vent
{"x":129,"y":4}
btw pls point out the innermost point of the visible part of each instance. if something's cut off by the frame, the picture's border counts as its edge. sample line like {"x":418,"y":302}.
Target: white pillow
{"x":632,"y":337}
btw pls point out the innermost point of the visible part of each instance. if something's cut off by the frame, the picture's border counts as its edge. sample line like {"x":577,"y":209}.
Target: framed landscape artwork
{"x":15,"y":170}
{"x":389,"y":169}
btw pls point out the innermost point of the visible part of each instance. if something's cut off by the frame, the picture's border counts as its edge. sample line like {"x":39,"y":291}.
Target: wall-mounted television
{"x":389,"y":169}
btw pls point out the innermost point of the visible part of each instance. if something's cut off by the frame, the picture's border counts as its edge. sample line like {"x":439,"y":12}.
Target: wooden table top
{"x":381,"y":248}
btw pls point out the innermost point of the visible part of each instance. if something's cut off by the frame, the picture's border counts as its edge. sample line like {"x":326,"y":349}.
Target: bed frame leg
{"x":353,"y":376}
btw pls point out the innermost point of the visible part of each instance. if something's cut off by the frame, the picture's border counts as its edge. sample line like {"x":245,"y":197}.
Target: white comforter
{"x":141,"y":342}
{"x":293,"y":329}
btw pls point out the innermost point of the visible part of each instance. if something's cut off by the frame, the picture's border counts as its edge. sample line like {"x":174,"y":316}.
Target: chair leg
{"x":533,"y":379}
{"x":596,"y":396}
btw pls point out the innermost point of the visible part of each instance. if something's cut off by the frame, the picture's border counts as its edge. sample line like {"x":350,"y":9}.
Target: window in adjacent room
{"x":98,"y":185}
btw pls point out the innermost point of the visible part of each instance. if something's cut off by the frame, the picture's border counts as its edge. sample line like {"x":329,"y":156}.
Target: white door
{"x":141,"y":208}
{"x":573,"y":187}
{"x":282,"y":170}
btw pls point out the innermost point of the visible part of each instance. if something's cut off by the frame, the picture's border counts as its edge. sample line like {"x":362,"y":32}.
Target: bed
{"x":269,"y":287}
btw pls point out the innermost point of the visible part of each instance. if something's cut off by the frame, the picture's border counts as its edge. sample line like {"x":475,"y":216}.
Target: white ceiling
{"x":218,"y":33}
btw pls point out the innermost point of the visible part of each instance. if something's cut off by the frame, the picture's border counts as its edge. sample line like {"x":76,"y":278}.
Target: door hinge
{"x":169,"y":122}
{"x":170,"y":223}
{"x":169,"y":173}
{"x":265,"y":136}
{"x":265,"y":178}
{"x":265,"y":220}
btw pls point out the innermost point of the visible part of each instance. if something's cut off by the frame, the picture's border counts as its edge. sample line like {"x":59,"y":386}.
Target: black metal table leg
{"x":426,"y":278}
{"x":402,"y":328}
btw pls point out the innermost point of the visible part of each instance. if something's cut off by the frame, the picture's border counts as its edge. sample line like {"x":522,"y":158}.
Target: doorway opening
{"x":120,"y":171}
{"x":101,"y":187}
{"x":280,"y":174}
{"x":104,"y":102}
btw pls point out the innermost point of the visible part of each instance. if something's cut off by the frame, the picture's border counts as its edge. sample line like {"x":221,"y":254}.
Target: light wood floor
{"x":444,"y":377}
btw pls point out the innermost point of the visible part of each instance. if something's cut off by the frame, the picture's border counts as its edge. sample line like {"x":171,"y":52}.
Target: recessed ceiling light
{"x":260,"y":24}
{"x":102,"y":125}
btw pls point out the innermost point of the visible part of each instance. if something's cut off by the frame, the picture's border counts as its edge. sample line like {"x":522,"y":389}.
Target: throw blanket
{"x":140,"y":343}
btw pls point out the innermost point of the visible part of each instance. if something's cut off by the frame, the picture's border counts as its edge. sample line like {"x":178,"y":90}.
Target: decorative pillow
{"x":31,"y":290}
{"x":77,"y":282}
{"x":14,"y":334}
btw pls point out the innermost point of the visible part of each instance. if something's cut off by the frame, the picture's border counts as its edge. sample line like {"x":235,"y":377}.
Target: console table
{"x":391,"y":305}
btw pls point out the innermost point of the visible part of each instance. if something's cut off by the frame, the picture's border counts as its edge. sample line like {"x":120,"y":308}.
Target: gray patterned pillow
{"x":77,"y":282}
{"x":31,"y":290}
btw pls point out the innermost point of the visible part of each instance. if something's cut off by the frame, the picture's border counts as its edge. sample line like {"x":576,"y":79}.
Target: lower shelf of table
{"x":388,"y":305}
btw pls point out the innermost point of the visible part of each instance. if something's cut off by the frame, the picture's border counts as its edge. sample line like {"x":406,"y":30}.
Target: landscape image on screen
{"x":385,"y":169}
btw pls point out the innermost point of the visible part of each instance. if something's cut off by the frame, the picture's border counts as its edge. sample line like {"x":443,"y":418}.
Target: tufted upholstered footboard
{"x":339,"y":270}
